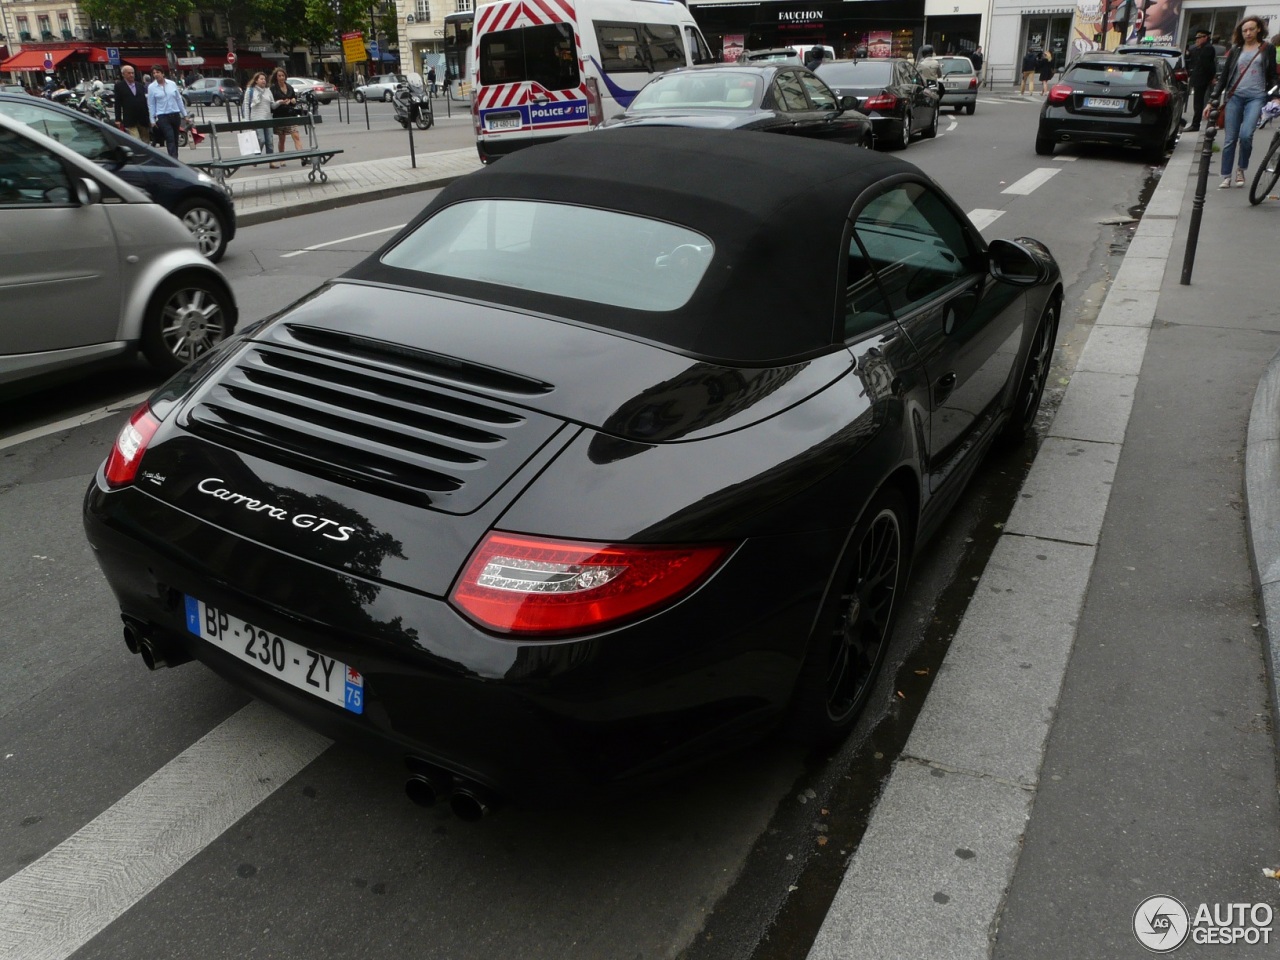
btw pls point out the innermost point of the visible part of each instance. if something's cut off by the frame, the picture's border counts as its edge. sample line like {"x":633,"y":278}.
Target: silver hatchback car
{"x":91,"y":270}
{"x":958,"y":83}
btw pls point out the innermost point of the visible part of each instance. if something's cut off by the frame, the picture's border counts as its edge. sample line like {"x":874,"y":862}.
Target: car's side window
{"x":78,"y":134}
{"x":916,"y":245}
{"x":789,"y":93}
{"x":864,"y":305}
{"x":30,"y":176}
{"x":819,"y":93}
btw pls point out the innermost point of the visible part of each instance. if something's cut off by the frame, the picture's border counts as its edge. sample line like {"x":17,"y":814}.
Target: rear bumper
{"x":1139,"y":131}
{"x":492,"y":149}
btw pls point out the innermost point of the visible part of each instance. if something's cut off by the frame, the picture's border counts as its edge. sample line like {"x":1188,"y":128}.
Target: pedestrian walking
{"x":977,"y":60}
{"x":1045,"y":68}
{"x":284,"y":103}
{"x":1250,"y":71}
{"x":165,"y":108}
{"x":132,"y":115}
{"x":257,"y":106}
{"x":1201,"y":65}
{"x":431,"y":80}
{"x":1030,"y":61}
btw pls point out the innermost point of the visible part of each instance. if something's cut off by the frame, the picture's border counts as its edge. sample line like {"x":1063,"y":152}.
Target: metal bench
{"x":221,"y":166}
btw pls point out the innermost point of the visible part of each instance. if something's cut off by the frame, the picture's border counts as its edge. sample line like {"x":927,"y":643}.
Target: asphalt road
{"x":324,"y":857}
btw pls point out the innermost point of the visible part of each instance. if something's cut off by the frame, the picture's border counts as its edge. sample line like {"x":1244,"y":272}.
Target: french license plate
{"x":508,"y":121}
{"x":1104,"y":103}
{"x":321,"y":676}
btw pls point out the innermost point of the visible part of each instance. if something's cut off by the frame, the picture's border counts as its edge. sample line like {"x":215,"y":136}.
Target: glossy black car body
{"x":657,"y":345}
{"x":891,"y":92}
{"x":1176,"y":58}
{"x":1126,"y":100}
{"x":770,"y":98}
{"x":204,"y":207}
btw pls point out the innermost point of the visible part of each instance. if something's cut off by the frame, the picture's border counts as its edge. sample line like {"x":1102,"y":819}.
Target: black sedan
{"x":891,"y":92}
{"x":772,"y":97}
{"x":202,"y":204}
{"x":1122,"y":99}
{"x":616,"y":455}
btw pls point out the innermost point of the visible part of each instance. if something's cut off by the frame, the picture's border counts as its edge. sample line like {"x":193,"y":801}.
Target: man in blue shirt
{"x":165,"y":106}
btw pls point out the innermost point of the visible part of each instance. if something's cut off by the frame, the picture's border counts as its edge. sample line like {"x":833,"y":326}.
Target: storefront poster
{"x":880,"y":43}
{"x":1156,"y":22}
{"x":1086,"y":25}
{"x":733,"y":46}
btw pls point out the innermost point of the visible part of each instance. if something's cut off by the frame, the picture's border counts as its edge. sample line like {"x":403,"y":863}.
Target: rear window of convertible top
{"x":582,"y":253}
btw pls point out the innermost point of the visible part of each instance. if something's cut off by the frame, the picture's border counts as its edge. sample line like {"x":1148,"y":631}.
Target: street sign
{"x":191,"y":61}
{"x":113,"y":56}
{"x":353,"y":46}
{"x":231,"y":57}
{"x":48,"y":64}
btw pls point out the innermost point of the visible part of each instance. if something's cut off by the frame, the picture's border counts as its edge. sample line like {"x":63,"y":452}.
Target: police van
{"x":545,"y":69}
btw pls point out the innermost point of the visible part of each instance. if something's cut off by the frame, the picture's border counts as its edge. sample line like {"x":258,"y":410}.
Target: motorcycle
{"x":411,"y":103}
{"x":94,"y":105}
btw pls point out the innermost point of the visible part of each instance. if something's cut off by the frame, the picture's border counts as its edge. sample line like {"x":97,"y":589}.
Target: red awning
{"x":142,"y":62}
{"x":33,"y":60}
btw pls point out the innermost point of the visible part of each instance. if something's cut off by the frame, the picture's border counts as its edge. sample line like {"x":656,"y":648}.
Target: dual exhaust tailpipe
{"x":469,"y":800}
{"x":156,"y":652}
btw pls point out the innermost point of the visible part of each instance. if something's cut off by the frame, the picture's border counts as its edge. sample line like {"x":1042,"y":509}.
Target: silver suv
{"x":379,"y":88}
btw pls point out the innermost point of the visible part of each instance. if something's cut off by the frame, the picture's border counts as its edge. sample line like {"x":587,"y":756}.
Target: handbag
{"x":1221,"y":119}
{"x":248,"y":141}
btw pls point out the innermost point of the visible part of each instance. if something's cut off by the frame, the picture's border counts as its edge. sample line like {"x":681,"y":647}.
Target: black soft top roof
{"x":775,"y":208}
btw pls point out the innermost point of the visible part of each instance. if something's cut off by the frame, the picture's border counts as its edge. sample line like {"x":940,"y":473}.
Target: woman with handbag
{"x":257,"y":106}
{"x":1250,"y":71}
{"x":284,"y":103}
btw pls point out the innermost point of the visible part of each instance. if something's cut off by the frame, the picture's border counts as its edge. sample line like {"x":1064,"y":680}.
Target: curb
{"x":942,"y":845}
{"x":1262,"y":511}
{"x":259,"y":215}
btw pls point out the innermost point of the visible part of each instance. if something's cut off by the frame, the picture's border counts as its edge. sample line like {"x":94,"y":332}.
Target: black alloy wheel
{"x":188,"y":316}
{"x":1035,"y":373}
{"x":1264,"y":180}
{"x":840,"y":670}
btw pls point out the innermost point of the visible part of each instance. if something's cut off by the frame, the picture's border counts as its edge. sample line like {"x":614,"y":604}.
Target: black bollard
{"x":366,"y":113}
{"x":1202,"y":185}
{"x":227,"y":104}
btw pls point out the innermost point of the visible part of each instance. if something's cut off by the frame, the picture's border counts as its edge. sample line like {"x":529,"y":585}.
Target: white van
{"x":548,"y":69}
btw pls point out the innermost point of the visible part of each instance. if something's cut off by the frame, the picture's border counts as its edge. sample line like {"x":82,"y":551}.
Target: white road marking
{"x":79,"y":420}
{"x":1066,"y":159}
{"x":954,"y":123}
{"x":51,"y":908}
{"x":330,"y":243}
{"x":1032,"y":180}
{"x":984,"y":218}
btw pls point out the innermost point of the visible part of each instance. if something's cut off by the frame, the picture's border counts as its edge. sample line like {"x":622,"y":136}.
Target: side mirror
{"x":848,"y":103}
{"x":1011,"y":262}
{"x":88,"y":192}
{"x":121,"y":155}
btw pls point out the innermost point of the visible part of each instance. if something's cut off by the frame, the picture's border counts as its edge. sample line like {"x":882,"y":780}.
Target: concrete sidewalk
{"x":1101,"y":731}
{"x":260,"y":199}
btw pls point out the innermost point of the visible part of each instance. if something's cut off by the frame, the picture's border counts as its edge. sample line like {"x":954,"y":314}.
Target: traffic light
{"x":191,"y":45}
{"x":168,"y":41}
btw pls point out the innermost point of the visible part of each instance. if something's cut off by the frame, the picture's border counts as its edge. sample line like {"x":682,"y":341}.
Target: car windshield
{"x":864,"y":73}
{"x":581,"y":253}
{"x":952,"y":67}
{"x":80,"y":134}
{"x":1110,"y":73}
{"x":703,"y":90}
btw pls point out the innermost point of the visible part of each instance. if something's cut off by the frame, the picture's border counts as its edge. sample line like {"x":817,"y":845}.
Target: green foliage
{"x":138,"y":14}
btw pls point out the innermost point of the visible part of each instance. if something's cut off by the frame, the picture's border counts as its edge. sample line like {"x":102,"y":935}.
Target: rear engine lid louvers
{"x":414,"y":426}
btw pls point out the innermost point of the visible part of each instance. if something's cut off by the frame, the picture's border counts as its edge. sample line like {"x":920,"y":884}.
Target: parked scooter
{"x":411,"y":103}
{"x":94,"y":104}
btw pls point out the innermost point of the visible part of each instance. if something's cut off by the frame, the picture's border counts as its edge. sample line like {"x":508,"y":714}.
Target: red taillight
{"x":881,"y":101}
{"x":1155,"y":98}
{"x":516,"y":584}
{"x":1060,"y":93}
{"x":131,"y":444}
{"x":1181,"y":76}
{"x":595,"y":109}
{"x":973,"y":83}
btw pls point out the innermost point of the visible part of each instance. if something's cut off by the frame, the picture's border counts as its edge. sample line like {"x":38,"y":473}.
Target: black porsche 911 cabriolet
{"x":618,"y":453}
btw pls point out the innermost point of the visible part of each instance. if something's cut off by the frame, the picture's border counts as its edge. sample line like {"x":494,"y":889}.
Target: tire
{"x":216,"y":101}
{"x":969,"y":108}
{"x":386,"y":97}
{"x":904,"y":136}
{"x":1035,"y":372}
{"x":1044,"y":147}
{"x":931,"y":131}
{"x":188,"y":316}
{"x":205,"y":223}
{"x":854,"y":631}
{"x":1264,"y":180}
{"x":423,"y":120}
{"x":358,"y":96}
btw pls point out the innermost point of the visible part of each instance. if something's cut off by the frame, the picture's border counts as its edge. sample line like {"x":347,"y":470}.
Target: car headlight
{"x":205,"y":178}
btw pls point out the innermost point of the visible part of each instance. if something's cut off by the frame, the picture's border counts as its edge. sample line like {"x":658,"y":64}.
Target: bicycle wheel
{"x":1268,"y":173}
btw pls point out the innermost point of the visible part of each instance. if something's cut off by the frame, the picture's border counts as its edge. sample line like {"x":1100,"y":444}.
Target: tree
{"x":138,"y":14}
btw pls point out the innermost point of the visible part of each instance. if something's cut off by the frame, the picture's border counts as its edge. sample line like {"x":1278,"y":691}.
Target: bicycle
{"x":1264,"y":180}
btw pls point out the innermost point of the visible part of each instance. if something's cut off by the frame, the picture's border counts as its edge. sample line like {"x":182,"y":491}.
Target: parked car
{"x":99,"y":270}
{"x":631,"y":466}
{"x":12,"y":88}
{"x":202,"y":204}
{"x":958,"y":83}
{"x":325,"y":92}
{"x":1174,"y":55}
{"x":1122,"y":99}
{"x":213,"y":91}
{"x":771,"y":55}
{"x":379,"y":88}
{"x":891,"y":92}
{"x":771,"y":98}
